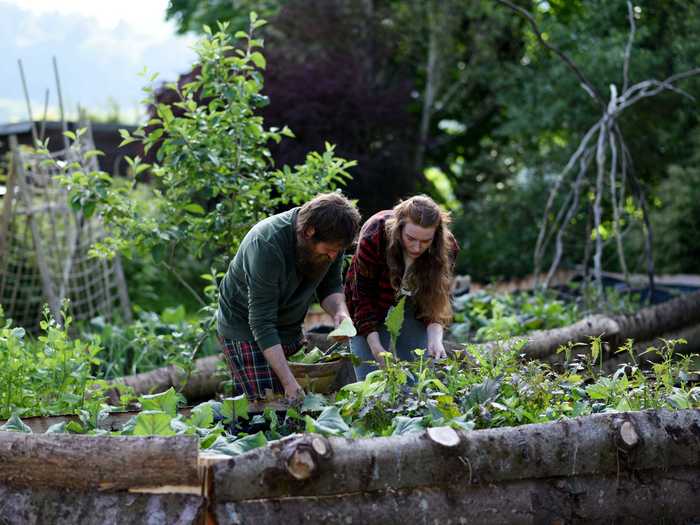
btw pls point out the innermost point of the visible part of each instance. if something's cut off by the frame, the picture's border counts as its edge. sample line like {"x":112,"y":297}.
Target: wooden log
{"x":97,"y":462}
{"x":676,"y":315}
{"x":202,"y":383}
{"x":582,"y":446}
{"x":645,"y":497}
{"x":37,"y":506}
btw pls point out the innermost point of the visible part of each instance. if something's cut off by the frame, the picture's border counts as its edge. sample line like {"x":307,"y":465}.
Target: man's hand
{"x":436,"y":349}
{"x":278,"y":362}
{"x":293,"y":391}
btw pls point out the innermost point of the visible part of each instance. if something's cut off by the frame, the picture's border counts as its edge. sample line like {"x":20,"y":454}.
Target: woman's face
{"x":416,"y":239}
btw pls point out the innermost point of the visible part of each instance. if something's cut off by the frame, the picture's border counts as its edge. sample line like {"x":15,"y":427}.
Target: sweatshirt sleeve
{"x":263,"y":267}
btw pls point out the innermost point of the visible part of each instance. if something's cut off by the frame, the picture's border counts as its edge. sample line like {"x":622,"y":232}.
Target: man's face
{"x":314,"y":258}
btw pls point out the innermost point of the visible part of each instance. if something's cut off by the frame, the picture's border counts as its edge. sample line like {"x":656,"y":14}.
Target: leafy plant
{"x":394,"y":322}
{"x":214,"y":170}
{"x":53,"y":374}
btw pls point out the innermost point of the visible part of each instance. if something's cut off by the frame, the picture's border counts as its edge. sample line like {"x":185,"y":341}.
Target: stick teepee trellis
{"x":604,"y":163}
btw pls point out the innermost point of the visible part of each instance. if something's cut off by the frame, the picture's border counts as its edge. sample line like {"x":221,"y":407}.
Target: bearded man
{"x":283,"y":262}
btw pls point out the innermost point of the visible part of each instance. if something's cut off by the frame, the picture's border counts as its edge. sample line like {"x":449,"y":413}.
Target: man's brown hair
{"x":332,"y":216}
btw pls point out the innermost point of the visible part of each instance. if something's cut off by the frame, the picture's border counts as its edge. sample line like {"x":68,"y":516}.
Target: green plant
{"x":483,"y":316}
{"x":151,"y":341}
{"x":53,"y":374}
{"x":213,"y":168}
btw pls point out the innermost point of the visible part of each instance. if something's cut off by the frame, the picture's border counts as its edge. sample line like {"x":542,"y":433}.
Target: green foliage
{"x":193,"y":15}
{"x":153,"y":423}
{"x":53,"y":374}
{"x":234,"y":408}
{"x":497,"y":245}
{"x":469,"y":390}
{"x":510,"y":391}
{"x":214,"y":170}
{"x":165,"y":402}
{"x":394,"y":322}
{"x":345,"y":329}
{"x":482,"y":316}
{"x":675,"y":218}
{"x":151,"y":341}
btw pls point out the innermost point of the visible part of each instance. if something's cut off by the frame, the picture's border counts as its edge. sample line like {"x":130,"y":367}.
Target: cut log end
{"x":301,"y":464}
{"x":628,"y":435}
{"x":444,"y":436}
{"x":322,"y":447}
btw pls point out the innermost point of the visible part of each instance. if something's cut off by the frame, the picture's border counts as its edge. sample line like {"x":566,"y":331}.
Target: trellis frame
{"x":95,"y":286}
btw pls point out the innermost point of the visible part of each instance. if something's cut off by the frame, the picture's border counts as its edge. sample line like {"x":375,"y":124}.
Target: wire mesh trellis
{"x":44,"y":244}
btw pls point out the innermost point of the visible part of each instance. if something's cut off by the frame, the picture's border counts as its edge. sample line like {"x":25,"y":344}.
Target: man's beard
{"x":310,"y":265}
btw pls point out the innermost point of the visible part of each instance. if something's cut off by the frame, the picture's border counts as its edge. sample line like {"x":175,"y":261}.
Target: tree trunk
{"x":580,"y":447}
{"x":97,"y":462}
{"x":20,"y":506}
{"x":644,"y":497}
{"x":431,"y":85}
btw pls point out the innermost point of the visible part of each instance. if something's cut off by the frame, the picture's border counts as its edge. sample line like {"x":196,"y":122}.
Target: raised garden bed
{"x":635,"y":467}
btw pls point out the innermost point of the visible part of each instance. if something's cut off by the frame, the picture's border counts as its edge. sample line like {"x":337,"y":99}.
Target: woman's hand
{"x":375,"y":346}
{"x":436,"y":349}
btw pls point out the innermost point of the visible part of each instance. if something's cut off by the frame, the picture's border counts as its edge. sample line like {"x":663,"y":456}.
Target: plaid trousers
{"x":252,"y":374}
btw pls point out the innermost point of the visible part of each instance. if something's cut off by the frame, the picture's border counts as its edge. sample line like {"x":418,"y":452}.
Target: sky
{"x":101,"y":47}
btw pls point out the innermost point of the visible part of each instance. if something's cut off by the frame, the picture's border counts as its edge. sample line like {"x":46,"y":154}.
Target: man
{"x":281,"y":264}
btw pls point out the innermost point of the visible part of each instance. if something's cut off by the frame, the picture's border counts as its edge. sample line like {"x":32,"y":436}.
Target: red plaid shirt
{"x":368,"y":290}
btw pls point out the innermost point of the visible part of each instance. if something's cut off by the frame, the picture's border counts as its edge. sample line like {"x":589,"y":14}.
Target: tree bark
{"x":19,"y":506}
{"x":645,"y":325}
{"x":203,"y":381}
{"x":582,"y":446}
{"x":645,"y":497}
{"x":97,"y":462}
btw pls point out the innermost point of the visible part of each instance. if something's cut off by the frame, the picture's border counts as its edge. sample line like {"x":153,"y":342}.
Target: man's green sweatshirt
{"x":262,"y":298}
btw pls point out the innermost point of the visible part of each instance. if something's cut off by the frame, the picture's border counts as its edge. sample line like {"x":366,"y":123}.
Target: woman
{"x":410,"y":251}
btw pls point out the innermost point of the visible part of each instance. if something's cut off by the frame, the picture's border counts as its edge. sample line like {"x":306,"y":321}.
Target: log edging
{"x":600,"y":444}
{"x":97,"y":462}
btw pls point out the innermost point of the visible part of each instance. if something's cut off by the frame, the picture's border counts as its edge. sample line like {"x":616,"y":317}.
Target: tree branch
{"x":540,"y":245}
{"x":628,"y":48}
{"x":576,"y":192}
{"x":590,"y":89}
